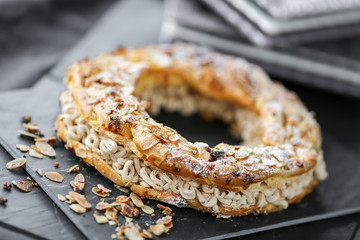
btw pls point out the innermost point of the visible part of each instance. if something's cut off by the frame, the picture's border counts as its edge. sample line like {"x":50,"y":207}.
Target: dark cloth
{"x":35,"y":34}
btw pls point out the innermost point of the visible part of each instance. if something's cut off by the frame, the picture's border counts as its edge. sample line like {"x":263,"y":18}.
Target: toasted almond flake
{"x":45,"y":149}
{"x":81,"y":152}
{"x":158,"y":229}
{"x":166,"y":210}
{"x":127,"y":219}
{"x":35,"y":154}
{"x":136,"y":200}
{"x":131,"y":231}
{"x":77,"y":186}
{"x":97,"y":191}
{"x":77,"y":208}
{"x":80,"y":199}
{"x":61,"y":197}
{"x":29,"y":127}
{"x":110,"y":213}
{"x":28,"y":178}
{"x":147,"y":209}
{"x":146,"y":234}
{"x":16,"y":163}
{"x":74,"y":168}
{"x":23,"y":185}
{"x":125,"y":190}
{"x":23,"y":148}
{"x":111,"y":223}
{"x":122,"y":199}
{"x":49,"y":140}
{"x":27,"y":134}
{"x":102,"y":206}
{"x":165,"y":220}
{"x":100,"y":219}
{"x":104,"y":189}
{"x":79,"y":178}
{"x":128,"y":210}
{"x":54,"y":176}
{"x":39,"y":172}
{"x":71,"y":199}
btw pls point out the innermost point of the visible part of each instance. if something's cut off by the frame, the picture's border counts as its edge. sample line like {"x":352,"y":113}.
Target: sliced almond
{"x":29,"y":127}
{"x":158,"y":229}
{"x":99,"y":192}
{"x":129,"y":211}
{"x":27,"y":134}
{"x":61,"y":197}
{"x":54,"y":176}
{"x":136,"y":200}
{"x":23,"y":148}
{"x":49,"y":140}
{"x":79,"y":178}
{"x":100,"y":219}
{"x":39,"y":172}
{"x":77,"y":208}
{"x":35,"y":154}
{"x":147,"y":210}
{"x":74,"y":168}
{"x":16,"y":163}
{"x":165,"y":220}
{"x":79,"y":198}
{"x":45,"y":149}
{"x":70,"y":199}
{"x":122,"y":199}
{"x":146,"y":234}
{"x":23,"y":185}
{"x":102,"y":206}
{"x":77,"y":186}
{"x":110,"y":213}
{"x":166,"y":210}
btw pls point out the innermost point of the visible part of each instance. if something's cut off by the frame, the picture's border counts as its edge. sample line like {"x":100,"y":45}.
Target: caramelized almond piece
{"x":122,"y":199}
{"x":97,"y":191}
{"x":23,"y":148}
{"x":35,"y":154}
{"x":110,"y":213}
{"x":39,"y":172}
{"x":102,"y":206}
{"x":54,"y":176}
{"x":158,"y":229}
{"x":79,"y":178}
{"x":77,"y":208}
{"x":166,"y":210}
{"x":23,"y":185}
{"x":147,"y":209}
{"x":100,"y":219}
{"x":165,"y":220}
{"x":49,"y":140}
{"x":16,"y":163}
{"x":136,"y":200}
{"x":45,"y":149}
{"x":80,"y":199}
{"x":146,"y":234}
{"x":129,"y":211}
{"x":27,"y":134}
{"x":74,"y":168}
{"x":104,"y":189}
{"x":61,"y":197}
{"x":77,"y":186}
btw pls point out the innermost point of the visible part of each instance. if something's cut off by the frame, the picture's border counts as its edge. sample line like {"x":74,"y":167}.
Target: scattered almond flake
{"x":111,"y":223}
{"x":7,"y":186}
{"x":49,"y":140}
{"x":129,"y":211}
{"x":101,"y":191}
{"x":110,"y":213}
{"x":35,"y":154}
{"x":71,"y":199}
{"x":26,"y":119}
{"x":104,"y":189}
{"x":102,"y":206}
{"x":125,"y":190}
{"x":61,"y":197}
{"x":27,"y":134}
{"x":23,"y":148}
{"x":79,"y":183}
{"x":100,"y":219}
{"x":113,"y":235}
{"x":45,"y":149}
{"x":79,"y":198}
{"x":166,"y":210}
{"x":31,"y":127}
{"x":77,"y":208}
{"x":127,"y":219}
{"x":74,"y":168}
{"x":54,"y":176}
{"x":38,"y":170}
{"x":136,"y":200}
{"x":15,"y":163}
{"x":122,"y":199}
{"x":28,"y":178}
{"x":56,"y":164}
{"x":158,"y":229}
{"x":147,"y":209}
{"x":131,"y":231}
{"x":79,"y":178}
{"x":165,"y":220}
{"x":146,"y":234}
{"x":23,"y":185}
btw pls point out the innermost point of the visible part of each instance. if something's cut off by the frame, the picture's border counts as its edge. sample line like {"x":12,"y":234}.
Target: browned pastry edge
{"x":172,"y":198}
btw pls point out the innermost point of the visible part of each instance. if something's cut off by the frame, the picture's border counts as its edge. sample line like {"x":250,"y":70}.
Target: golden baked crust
{"x":104,"y":92}
{"x":172,"y":198}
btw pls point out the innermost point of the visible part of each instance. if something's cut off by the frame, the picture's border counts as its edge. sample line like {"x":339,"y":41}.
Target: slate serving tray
{"x":336,"y":196}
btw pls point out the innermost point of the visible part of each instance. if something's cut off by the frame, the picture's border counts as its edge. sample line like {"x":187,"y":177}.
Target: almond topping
{"x":100,"y":219}
{"x":128,"y":211}
{"x":23,"y":148}
{"x":39,"y":172}
{"x":16,"y":163}
{"x":35,"y":154}
{"x":79,"y":183}
{"x":23,"y":185}
{"x":102,"y":206}
{"x":61,"y":197}
{"x":166,"y":210}
{"x":79,"y":178}
{"x":54,"y":176}
{"x":45,"y":149}
{"x":110,"y":213}
{"x":80,"y":199}
{"x":74,"y":168}
{"x":27,"y":134}
{"x":77,"y":208}
{"x":136,"y":200}
{"x":49,"y":140}
{"x":122,"y":199}
{"x":147,"y":210}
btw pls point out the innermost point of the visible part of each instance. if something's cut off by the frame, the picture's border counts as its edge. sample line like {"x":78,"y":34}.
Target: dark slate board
{"x":338,"y":195}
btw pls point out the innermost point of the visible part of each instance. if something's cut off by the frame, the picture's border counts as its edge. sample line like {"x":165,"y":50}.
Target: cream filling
{"x":134,"y":170}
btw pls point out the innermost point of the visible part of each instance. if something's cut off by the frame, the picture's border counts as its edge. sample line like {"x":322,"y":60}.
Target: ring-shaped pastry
{"x":282,"y":138}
